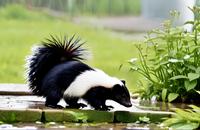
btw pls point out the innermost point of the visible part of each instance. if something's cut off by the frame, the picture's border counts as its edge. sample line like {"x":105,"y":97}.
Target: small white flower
{"x":173,"y":60}
{"x":133,"y":60}
{"x":186,"y":57}
{"x":52,"y":123}
{"x":154,"y":99}
{"x":38,"y":122}
{"x":61,"y":126}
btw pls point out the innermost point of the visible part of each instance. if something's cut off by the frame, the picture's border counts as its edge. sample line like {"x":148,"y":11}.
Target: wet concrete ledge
{"x":14,"y":89}
{"x":16,"y":107}
{"x":78,"y":116}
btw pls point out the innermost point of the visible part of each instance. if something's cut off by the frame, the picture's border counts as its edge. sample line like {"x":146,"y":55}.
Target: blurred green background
{"x":24,"y":23}
{"x":83,"y":7}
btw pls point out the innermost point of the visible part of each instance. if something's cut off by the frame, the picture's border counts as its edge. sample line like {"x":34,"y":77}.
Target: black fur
{"x":59,"y":78}
{"x":56,"y":64}
{"x":52,"y":52}
{"x":97,"y":96}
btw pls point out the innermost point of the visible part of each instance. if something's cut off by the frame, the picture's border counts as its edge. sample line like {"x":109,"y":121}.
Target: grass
{"x":19,"y":34}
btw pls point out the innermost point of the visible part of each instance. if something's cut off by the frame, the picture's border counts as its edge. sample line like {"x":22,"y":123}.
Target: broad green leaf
{"x":164,"y":94}
{"x":172,"y":96}
{"x":179,"y":77}
{"x":194,"y":107}
{"x":193,"y":76}
{"x":171,"y":121}
{"x":190,"y":84}
{"x":187,"y":115}
{"x":198,"y":70}
{"x":191,"y":67}
{"x":185,"y":126}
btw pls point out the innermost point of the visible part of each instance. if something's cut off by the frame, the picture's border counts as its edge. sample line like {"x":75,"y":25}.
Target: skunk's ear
{"x":123,"y":81}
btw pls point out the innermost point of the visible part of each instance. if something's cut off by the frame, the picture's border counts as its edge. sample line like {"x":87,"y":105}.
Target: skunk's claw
{"x":78,"y":105}
{"x":82,"y":105}
{"x":107,"y":108}
{"x":55,"y":106}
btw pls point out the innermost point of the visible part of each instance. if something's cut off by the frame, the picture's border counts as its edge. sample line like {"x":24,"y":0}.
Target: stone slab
{"x":53,"y":115}
{"x":14,"y":89}
{"x":20,"y":115}
{"x":79,"y":116}
{"x":21,"y":102}
{"x":94,"y":115}
{"x":129,"y":117}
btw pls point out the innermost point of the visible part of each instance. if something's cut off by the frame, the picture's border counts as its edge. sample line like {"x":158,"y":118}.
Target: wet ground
{"x":30,"y":101}
{"x":23,"y":102}
{"x":19,"y":97}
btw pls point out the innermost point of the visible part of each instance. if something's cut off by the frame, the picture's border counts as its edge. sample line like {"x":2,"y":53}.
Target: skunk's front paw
{"x":78,"y":105}
{"x":82,"y":105}
{"x":54,"y":106}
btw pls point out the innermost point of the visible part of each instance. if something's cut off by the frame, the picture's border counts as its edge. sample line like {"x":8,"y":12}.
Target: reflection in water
{"x":38,"y":102}
{"x":160,"y":106}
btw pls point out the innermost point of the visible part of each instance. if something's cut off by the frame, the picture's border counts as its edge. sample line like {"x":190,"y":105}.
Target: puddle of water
{"x":23,"y":102}
{"x":17,"y":102}
{"x":159,"y":106}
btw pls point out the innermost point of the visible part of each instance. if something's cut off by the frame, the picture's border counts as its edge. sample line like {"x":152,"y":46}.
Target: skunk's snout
{"x":125,"y":102}
{"x":121,"y":95}
{"x":128,"y":104}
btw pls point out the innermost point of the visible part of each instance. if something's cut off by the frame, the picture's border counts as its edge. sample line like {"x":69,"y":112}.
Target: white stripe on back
{"x":89,"y":79}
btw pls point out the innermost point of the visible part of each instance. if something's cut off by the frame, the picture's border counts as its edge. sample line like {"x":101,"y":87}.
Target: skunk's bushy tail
{"x":52,"y":52}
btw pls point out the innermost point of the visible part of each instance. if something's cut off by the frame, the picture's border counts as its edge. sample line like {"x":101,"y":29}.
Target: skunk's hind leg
{"x":52,"y":99}
{"x":73,"y":102}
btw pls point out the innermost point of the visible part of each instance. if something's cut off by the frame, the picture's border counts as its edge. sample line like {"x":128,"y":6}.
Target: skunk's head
{"x":121,"y":94}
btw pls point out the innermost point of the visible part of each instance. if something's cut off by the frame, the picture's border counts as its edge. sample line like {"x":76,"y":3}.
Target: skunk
{"x":55,"y":70}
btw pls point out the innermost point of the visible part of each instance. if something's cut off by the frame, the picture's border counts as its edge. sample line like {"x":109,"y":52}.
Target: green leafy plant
{"x":184,"y":119}
{"x":143,"y":119}
{"x":170,"y":62}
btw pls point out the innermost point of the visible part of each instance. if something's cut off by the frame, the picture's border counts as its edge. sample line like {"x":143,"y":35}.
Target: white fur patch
{"x":28,"y":59}
{"x":89,"y":79}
